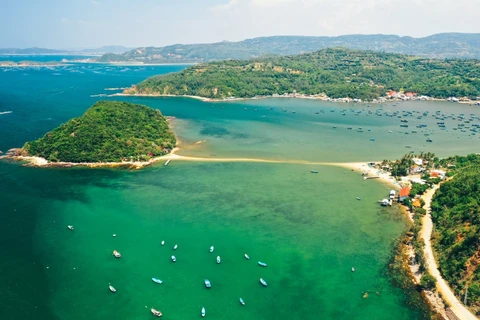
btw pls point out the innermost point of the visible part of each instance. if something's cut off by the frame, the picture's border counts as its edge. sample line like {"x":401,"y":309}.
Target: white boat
{"x":175,"y":247}
{"x":263,"y":282}
{"x":117,"y":254}
{"x":163,"y":243}
{"x":174,"y":259}
{"x":156,"y":312}
{"x":247,"y":257}
{"x":203,"y":312}
{"x":207,"y":283}
{"x":157,"y":280}
{"x":242,"y":302}
{"x":358,"y":198}
{"x":112,"y":289}
{"x":353,"y":269}
{"x":114,"y":235}
{"x":168,"y":161}
{"x":211,"y":249}
{"x":218,"y":259}
{"x":70,"y":227}
{"x":263,"y":264}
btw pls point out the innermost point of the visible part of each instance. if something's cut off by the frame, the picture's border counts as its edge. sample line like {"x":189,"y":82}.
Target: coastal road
{"x":442,"y":286}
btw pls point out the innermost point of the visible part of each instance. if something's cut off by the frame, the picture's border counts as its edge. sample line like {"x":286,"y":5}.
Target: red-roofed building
{"x":404,"y":193}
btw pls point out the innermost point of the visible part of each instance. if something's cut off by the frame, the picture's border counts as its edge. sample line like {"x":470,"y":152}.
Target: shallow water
{"x":309,"y":228}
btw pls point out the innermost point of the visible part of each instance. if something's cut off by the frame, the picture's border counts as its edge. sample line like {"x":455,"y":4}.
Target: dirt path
{"x":442,"y":286}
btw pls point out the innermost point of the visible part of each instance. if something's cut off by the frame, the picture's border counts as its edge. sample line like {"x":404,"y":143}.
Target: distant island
{"x":333,"y":73}
{"x":45,"y":51}
{"x":108,"y":132}
{"x":444,"y":45}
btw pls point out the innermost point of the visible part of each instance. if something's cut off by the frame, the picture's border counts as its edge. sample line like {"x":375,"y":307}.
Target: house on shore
{"x":404,"y":194}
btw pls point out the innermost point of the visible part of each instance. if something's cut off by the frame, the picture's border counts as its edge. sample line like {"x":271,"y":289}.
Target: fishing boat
{"x":114,"y":235}
{"x":175,"y":247}
{"x":263,"y":264}
{"x":157,"y":280}
{"x":163,"y":242}
{"x":70,"y":227}
{"x":117,"y":254}
{"x":242,"y":302}
{"x":156,"y":312}
{"x":429,"y":140}
{"x":313,"y":171}
{"x":168,"y":161}
{"x":358,"y":198}
{"x":203,"y":312}
{"x":174,"y":259}
{"x":353,"y":269}
{"x":112,"y":289}
{"x":207,"y":283}
{"x":247,"y":257}
{"x":263,"y":282}
{"x":211,"y":249}
{"x":218,"y":259}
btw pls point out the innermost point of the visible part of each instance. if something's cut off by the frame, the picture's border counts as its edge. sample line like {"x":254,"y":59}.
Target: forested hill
{"x":456,"y":213}
{"x":444,"y":45}
{"x":109,"y":131}
{"x":335,"y":72}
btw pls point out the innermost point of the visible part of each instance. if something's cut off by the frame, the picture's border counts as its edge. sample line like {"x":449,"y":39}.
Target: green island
{"x":336,"y":73}
{"x":109,"y":131}
{"x":456,"y":213}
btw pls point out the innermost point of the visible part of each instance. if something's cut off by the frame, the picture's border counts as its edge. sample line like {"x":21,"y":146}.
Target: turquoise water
{"x":309,"y":228}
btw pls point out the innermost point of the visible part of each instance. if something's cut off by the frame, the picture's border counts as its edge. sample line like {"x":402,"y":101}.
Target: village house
{"x":404,"y":194}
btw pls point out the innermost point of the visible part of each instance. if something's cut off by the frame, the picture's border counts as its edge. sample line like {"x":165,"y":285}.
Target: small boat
{"x":112,"y":289}
{"x":353,"y":269}
{"x":175,"y":247}
{"x":242,"y":302}
{"x":211,"y":249}
{"x":358,"y":198}
{"x":263,"y":264}
{"x":203,"y":312}
{"x":157,"y":280}
{"x":247,"y":257}
{"x":174,"y":259}
{"x":114,"y":235}
{"x":313,"y":171}
{"x":263,"y":282}
{"x":218,"y":259}
{"x":163,"y":242}
{"x":168,"y":161}
{"x":156,"y":312}
{"x":70,"y":227}
{"x":207,"y":283}
{"x":117,"y":254}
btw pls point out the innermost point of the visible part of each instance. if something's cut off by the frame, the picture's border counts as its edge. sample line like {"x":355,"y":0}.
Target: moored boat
{"x":263,"y":264}
{"x":156,"y":312}
{"x":163,"y":242}
{"x":117,"y":254}
{"x":70,"y":227}
{"x":157,"y":280}
{"x":112,"y":289}
{"x":358,"y":198}
{"x":247,"y":257}
{"x":203,"y":312}
{"x":218,"y":259}
{"x":174,"y":259}
{"x":207,"y":283}
{"x":242,"y":302}
{"x":211,"y":249}
{"x":313,"y":171}
{"x":175,"y":247}
{"x":353,"y":269}
{"x":263,"y":282}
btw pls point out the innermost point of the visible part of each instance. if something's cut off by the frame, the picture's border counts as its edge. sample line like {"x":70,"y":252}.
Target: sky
{"x":69,"y":24}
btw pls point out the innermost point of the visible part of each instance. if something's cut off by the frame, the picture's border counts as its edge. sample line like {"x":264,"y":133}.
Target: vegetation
{"x":456,"y":213}
{"x":335,"y":72}
{"x":445,"y":45}
{"x":110,"y":131}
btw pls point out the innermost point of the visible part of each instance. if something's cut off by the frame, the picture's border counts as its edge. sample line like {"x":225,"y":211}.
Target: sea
{"x":308,"y":228}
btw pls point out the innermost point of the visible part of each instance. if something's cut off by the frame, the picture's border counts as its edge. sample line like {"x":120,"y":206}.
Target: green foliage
{"x":418,"y":188}
{"x":108,"y":132}
{"x":427,"y":281}
{"x":335,"y":72}
{"x":401,"y":168}
{"x":456,"y":213}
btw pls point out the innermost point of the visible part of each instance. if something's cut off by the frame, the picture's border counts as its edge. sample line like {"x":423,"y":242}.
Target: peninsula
{"x":333,"y":73}
{"x":109,"y":133}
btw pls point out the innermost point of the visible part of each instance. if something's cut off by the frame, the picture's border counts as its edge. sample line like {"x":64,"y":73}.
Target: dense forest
{"x":109,"y":131}
{"x":456,"y":213}
{"x":335,"y":72}
{"x":443,"y":45}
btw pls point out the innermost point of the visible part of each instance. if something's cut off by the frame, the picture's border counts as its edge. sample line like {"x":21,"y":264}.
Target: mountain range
{"x":44,"y":51}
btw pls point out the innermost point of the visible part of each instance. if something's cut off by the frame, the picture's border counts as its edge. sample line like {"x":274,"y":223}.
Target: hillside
{"x":456,"y":213}
{"x":335,"y":72}
{"x":109,"y":131}
{"x":445,"y":45}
